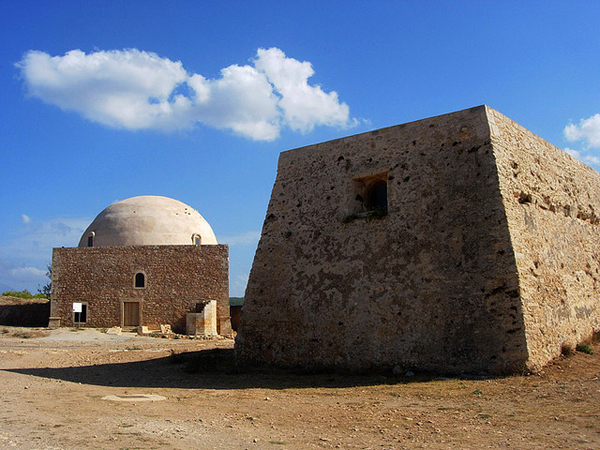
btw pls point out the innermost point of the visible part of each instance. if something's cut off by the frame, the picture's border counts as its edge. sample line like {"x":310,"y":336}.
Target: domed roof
{"x":148,"y":220}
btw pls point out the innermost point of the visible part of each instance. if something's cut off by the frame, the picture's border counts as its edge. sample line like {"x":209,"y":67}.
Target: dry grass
{"x":23,"y":333}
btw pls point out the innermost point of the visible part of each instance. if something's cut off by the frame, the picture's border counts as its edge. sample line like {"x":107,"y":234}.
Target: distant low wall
{"x":28,"y":313}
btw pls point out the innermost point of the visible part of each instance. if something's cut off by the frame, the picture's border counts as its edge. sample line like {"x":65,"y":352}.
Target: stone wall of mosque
{"x":177,"y":279}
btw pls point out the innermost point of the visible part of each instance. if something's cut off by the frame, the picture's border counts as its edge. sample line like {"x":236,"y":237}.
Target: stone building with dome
{"x":146,"y":261}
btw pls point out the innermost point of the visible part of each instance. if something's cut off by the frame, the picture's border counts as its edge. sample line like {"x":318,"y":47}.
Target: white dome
{"x":148,"y":220}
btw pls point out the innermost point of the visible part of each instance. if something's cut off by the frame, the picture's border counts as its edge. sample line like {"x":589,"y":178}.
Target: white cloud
{"x":588,"y":131}
{"x":592,"y":159}
{"x":26,"y":272}
{"x":128,"y":89}
{"x":304,"y":106}
{"x":584,"y":157}
{"x":242,"y":100}
{"x":20,"y":276}
{"x":134,"y":90}
{"x":25,"y":218}
{"x":573,"y":153}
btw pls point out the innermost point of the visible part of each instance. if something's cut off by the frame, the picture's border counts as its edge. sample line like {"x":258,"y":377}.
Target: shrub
{"x":19,"y":294}
{"x":24,"y":294}
{"x":584,"y":348}
{"x":376,"y":213}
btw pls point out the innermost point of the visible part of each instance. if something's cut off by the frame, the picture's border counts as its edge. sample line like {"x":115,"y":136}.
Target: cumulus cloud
{"x":588,"y":130}
{"x":133,"y":89}
{"x":303,"y":105}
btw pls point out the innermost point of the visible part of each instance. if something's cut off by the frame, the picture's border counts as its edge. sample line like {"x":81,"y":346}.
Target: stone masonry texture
{"x":487,"y":259}
{"x":177,"y":277}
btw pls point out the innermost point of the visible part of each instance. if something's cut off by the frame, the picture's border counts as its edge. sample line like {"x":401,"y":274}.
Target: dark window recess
{"x":90,"y":240}
{"x":140,"y":280}
{"x":377,"y":197}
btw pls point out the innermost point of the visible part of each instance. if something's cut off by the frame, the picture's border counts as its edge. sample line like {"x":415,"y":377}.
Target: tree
{"x":46,"y":289}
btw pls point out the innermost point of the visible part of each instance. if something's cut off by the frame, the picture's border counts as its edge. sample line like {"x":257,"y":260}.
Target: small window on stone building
{"x":90,"y":239}
{"x":370,"y":194}
{"x":196,"y":239}
{"x":83,"y":315}
{"x":377,"y":195}
{"x":140,"y":280}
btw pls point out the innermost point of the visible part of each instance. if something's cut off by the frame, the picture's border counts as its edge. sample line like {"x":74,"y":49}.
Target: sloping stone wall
{"x":432,"y":285}
{"x":552,"y":203}
{"x":177,"y":277}
{"x":488,"y":258}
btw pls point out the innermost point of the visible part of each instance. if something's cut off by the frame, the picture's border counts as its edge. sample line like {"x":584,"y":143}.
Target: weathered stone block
{"x":484,"y":254}
{"x":203,"y":323}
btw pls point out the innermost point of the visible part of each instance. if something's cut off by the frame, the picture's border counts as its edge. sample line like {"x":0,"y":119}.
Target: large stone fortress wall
{"x":440,"y":282}
{"x":552,"y":202}
{"x":177,"y":277}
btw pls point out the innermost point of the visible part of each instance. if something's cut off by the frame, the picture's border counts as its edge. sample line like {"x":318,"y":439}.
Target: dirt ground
{"x":54,"y":384}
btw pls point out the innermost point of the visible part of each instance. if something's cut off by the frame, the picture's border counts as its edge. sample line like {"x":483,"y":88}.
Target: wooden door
{"x":131,"y":314}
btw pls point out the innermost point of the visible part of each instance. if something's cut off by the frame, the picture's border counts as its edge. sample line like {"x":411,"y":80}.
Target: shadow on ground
{"x":207,"y":369}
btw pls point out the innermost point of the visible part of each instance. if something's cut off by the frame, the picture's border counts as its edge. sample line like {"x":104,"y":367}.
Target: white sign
{"x":77,"y":307}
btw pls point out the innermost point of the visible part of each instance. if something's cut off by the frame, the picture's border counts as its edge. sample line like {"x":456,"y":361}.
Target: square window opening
{"x":370,"y":195}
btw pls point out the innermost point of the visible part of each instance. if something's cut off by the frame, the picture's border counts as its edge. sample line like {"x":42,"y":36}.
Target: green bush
{"x":584,"y":348}
{"x":376,"y":213}
{"x":24,"y":294}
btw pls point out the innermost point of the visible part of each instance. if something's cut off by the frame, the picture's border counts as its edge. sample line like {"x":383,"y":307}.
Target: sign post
{"x":77,"y":309}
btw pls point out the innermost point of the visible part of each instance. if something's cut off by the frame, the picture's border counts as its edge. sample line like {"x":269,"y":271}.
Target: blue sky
{"x":194,"y":100}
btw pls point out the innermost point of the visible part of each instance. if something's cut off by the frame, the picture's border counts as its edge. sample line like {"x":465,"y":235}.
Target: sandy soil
{"x":52,"y":385}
